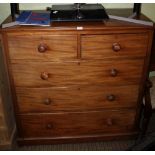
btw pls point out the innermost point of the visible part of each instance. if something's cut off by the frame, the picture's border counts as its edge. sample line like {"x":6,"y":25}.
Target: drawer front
{"x":112,"y":72}
{"x":42,"y":47}
{"x":76,"y":124}
{"x":108,"y":46}
{"x":31,"y":100}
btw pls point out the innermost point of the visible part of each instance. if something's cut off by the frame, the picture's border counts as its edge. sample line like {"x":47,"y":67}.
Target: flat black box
{"x":74,"y":12}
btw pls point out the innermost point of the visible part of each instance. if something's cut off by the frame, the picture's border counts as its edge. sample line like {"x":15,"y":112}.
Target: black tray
{"x":84,"y":12}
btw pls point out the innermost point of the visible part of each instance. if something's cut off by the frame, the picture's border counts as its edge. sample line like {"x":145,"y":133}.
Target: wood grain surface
{"x":101,"y":46}
{"x":77,"y":124}
{"x":29,"y":74}
{"x":58,"y":47}
{"x":80,"y":98}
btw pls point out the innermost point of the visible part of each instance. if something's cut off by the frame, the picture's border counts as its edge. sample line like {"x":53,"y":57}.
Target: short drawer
{"x":44,"y":47}
{"x":112,"y":72}
{"x":31,"y":100}
{"x":76,"y":124}
{"x":117,"y":45}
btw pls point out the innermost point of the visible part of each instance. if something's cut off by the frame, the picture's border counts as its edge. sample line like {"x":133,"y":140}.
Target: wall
{"x":4,"y":11}
{"x":43,"y":6}
{"x":148,"y":10}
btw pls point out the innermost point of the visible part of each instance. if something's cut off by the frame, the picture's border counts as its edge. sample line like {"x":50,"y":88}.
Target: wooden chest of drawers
{"x":71,"y":84}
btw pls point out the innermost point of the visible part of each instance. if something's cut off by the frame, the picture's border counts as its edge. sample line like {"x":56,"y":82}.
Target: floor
{"x":96,"y":146}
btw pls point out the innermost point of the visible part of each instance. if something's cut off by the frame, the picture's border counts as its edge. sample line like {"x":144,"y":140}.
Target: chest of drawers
{"x":77,"y":85}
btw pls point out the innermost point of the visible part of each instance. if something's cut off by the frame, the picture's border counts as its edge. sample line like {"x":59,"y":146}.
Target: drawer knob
{"x":114,"y":72}
{"x":44,"y":76}
{"x":116,"y":47}
{"x":109,"y":122}
{"x":47,"y":101}
{"x":111,"y":97}
{"x":49,"y":126}
{"x":42,"y":48}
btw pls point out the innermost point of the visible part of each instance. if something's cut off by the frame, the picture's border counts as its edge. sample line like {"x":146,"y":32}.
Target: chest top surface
{"x":107,"y":25}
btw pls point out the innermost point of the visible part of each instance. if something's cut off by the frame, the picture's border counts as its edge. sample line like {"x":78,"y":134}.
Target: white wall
{"x":34,"y":6}
{"x":149,"y":10}
{"x":39,"y":6}
{"x":4,"y":11}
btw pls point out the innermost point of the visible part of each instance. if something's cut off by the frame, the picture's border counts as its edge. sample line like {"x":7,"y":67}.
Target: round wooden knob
{"x":113,"y":72}
{"x":116,"y":47}
{"x":111,"y":97}
{"x":44,"y":76}
{"x":47,"y":101}
{"x":42,"y":48}
{"x":109,"y":121}
{"x":49,"y":126}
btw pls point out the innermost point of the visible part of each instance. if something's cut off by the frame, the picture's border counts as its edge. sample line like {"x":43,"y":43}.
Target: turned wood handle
{"x":111,"y":97}
{"x":47,"y":101}
{"x":116,"y":47}
{"x":109,"y":121}
{"x":113,"y":72}
{"x":42,"y":48}
{"x":49,"y":126}
{"x":44,"y":75}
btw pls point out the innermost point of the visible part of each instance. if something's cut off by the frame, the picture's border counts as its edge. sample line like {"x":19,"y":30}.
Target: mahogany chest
{"x":77,"y":81}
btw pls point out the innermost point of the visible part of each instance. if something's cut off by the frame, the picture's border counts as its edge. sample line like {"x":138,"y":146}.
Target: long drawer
{"x":76,"y":124}
{"x":112,"y":46}
{"x":44,"y":47}
{"x":112,"y":72}
{"x":31,"y":100}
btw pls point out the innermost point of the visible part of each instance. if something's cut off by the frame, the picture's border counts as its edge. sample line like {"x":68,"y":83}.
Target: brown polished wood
{"x":34,"y":46}
{"x":77,"y":73}
{"x":70,"y":84}
{"x":85,"y":98}
{"x":42,"y":48}
{"x":118,"y":45}
{"x":77,"y":124}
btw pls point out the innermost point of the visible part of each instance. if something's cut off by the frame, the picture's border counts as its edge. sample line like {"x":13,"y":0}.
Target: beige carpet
{"x":97,"y":146}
